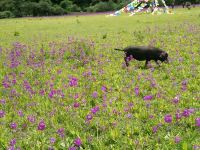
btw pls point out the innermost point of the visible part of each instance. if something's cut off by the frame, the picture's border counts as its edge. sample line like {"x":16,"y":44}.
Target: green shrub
{"x":75,"y":8}
{"x":57,"y":10}
{"x":44,"y":8}
{"x":6,"y":14}
{"x":102,"y":6}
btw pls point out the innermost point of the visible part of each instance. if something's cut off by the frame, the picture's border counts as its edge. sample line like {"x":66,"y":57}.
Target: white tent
{"x":138,"y":5}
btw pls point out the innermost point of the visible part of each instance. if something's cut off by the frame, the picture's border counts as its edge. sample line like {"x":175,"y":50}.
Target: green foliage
{"x":6,"y":14}
{"x":103,"y":6}
{"x":16,"y":33}
{"x":57,"y":10}
{"x":20,"y":8}
{"x":48,"y":56}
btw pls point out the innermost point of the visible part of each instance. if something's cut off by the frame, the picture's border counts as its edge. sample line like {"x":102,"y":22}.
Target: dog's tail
{"x":117,"y":49}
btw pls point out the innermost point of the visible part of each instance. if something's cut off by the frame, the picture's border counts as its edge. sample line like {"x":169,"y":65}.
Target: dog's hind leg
{"x":126,"y":61}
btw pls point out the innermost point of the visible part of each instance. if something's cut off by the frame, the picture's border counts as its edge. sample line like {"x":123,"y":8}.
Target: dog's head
{"x":164,"y":57}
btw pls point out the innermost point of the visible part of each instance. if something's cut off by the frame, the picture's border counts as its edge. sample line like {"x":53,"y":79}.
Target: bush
{"x":45,"y":8}
{"x":35,"y":9}
{"x":6,"y":14}
{"x":66,"y":5}
{"x":57,"y":10}
{"x":75,"y":8}
{"x":27,"y":8}
{"x":102,"y":6}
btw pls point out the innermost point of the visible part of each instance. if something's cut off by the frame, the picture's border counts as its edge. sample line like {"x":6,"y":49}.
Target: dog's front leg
{"x":126,"y":61}
{"x":146,"y":63}
{"x":157,"y":63}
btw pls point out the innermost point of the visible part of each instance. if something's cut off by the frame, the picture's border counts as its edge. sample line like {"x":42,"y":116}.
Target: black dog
{"x":144,"y":53}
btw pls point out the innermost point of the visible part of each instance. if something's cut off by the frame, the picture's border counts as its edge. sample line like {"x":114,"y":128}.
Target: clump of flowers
{"x":197,"y":122}
{"x":41,"y":125}
{"x":77,"y":142}
{"x":148,"y":97}
{"x":168,"y":118}
{"x":73,"y":82}
{"x":13,"y":125}
{"x":61,"y":132}
{"x":137,"y":91}
{"x":31,"y":118}
{"x":89,"y":117}
{"x":177,"y":139}
{"x":2,"y":113}
{"x":95,"y":109}
{"x":95,"y":94}
{"x":176,"y":99}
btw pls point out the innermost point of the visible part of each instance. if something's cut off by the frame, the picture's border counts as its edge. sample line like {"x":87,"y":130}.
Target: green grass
{"x":52,"y":49}
{"x":46,"y":29}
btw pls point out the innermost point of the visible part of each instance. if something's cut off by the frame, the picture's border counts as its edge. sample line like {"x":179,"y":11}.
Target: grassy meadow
{"x":63,"y":86}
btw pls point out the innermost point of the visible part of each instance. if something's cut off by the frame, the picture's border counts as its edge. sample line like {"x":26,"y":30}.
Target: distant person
{"x":188,"y":5}
{"x":183,"y":4}
{"x":173,"y":3}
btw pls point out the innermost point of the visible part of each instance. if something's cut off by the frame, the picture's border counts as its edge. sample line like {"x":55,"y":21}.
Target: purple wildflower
{"x":178,"y":116}
{"x":61,"y":132}
{"x":76,"y":96}
{"x":168,"y":118}
{"x":20,"y":113}
{"x":2,"y":101}
{"x":89,"y":117}
{"x":176,"y":100}
{"x":186,"y":113}
{"x":196,"y":147}
{"x":103,"y":88}
{"x":52,"y":140}
{"x":191,"y":110}
{"x":73,"y":82}
{"x":184,"y":82}
{"x":151,"y":116}
{"x":95,"y":94}
{"x":12,"y":142}
{"x":155,"y":129}
{"x":11,"y":148}
{"x":41,"y":125}
{"x":27,"y":86}
{"x":31,"y":118}
{"x":76,"y":105}
{"x":42,"y":92}
{"x":77,"y":142}
{"x":136,"y":91}
{"x":130,"y":105}
{"x":184,"y":85}
{"x":148,"y":105}
{"x":14,"y":81}
{"x":13,"y":125}
{"x":72,"y":148}
{"x":95,"y":109}
{"x":5,"y":84}
{"x":197,"y":122}
{"x":148,"y":97}
{"x":129,"y":116}
{"x":2,"y":113}
{"x":177,"y":139}
{"x":52,"y":93}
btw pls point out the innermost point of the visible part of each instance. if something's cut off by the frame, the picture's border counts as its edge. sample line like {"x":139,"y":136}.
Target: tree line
{"x":22,"y":8}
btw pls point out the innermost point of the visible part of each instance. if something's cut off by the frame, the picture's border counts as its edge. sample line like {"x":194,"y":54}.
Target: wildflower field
{"x":63,"y":86}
